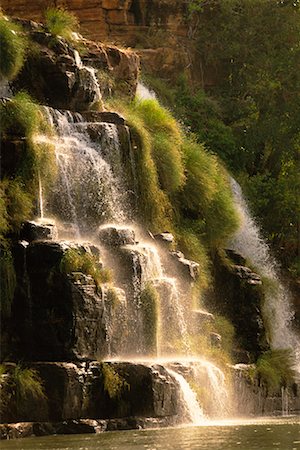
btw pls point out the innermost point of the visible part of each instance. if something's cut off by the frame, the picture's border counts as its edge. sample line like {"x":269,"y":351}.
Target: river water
{"x":260,"y":434}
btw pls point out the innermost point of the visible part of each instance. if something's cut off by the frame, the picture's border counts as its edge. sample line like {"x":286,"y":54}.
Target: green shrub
{"x":8,"y":280}
{"x":18,"y":204}
{"x":20,"y":116}
{"x":75,"y":260}
{"x":12,"y":48}
{"x":19,"y":386}
{"x":153,"y":204}
{"x":114,"y":384}
{"x":60,"y":22}
{"x":206,"y":197}
{"x":149,"y":305}
{"x":275,"y":368}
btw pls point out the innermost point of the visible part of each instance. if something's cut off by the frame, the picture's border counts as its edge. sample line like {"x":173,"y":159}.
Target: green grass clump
{"x":60,"y":22}
{"x":20,"y":116}
{"x":18,"y":204}
{"x":180,"y":186}
{"x":149,"y":304}
{"x":114,"y":384}
{"x":19,"y":386}
{"x":75,"y":260}
{"x":153,"y":204}
{"x":12,"y":48}
{"x":166,"y":142}
{"x":8,"y":280}
{"x":274,"y":368}
{"x":206,"y":197}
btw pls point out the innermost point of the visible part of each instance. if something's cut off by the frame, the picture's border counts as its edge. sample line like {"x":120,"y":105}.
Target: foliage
{"x":154,"y":206}
{"x":206,"y":197}
{"x":180,"y":186}
{"x":277,"y":205}
{"x":18,"y":386}
{"x":79,"y":260}
{"x":257,"y":89}
{"x":114,"y":384}
{"x":12,"y":48}
{"x":18,"y":203}
{"x":20,"y":116}
{"x":149,"y":305}
{"x":60,"y":22}
{"x":8,"y":280}
{"x":274,"y":368}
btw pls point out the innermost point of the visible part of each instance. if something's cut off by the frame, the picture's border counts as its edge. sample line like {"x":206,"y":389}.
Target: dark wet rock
{"x":55,"y":76}
{"x":253,"y":398}
{"x":12,"y":153}
{"x":116,"y":237}
{"x":103,"y":116}
{"x":56,"y":316}
{"x":77,"y":391}
{"x":33,"y":231}
{"x":238,"y":295}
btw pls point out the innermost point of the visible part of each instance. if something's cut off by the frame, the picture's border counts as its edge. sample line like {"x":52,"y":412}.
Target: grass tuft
{"x":75,"y":260}
{"x":60,"y":22}
{"x":12,"y":48}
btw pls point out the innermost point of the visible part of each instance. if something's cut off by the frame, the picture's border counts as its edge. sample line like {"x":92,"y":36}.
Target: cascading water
{"x":93,"y":194}
{"x":277,"y":309}
{"x":191,"y":408}
{"x":90,"y":192}
{"x":144,"y":93}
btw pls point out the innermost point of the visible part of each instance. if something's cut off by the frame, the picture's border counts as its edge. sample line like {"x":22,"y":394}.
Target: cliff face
{"x":157,"y":28}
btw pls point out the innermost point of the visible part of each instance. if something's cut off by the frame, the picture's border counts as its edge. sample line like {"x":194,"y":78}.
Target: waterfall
{"x":144,"y":93}
{"x":191,"y":408}
{"x":90,"y":192}
{"x":41,"y":202}
{"x":277,"y":310}
{"x":87,"y":191}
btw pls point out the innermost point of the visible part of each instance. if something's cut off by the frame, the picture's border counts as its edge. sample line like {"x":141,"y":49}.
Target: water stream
{"x":277,"y":308}
{"x":90,"y":192}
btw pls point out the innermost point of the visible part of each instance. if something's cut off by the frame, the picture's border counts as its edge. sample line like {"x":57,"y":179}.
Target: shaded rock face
{"x":75,"y":391}
{"x":253,"y":398}
{"x":238,"y":295}
{"x":55,"y":75}
{"x":158,"y":28}
{"x":56,"y":316}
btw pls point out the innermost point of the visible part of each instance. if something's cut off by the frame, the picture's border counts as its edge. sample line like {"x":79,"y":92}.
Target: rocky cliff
{"x":158,"y":30}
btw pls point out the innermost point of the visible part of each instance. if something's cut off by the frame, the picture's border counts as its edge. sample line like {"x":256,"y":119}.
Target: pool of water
{"x":261,"y":434}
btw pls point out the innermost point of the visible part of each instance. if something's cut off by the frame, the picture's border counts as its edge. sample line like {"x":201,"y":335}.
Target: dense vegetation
{"x":12,"y":48}
{"x":245,"y":110}
{"x":181,"y":187}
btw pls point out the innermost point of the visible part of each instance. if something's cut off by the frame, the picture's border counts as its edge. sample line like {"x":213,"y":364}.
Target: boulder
{"x":78,"y":391}
{"x":38,"y":230}
{"x":103,"y":116}
{"x":189,"y":269}
{"x":116,"y":237}
{"x":239,"y":296}
{"x":57,"y":316}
